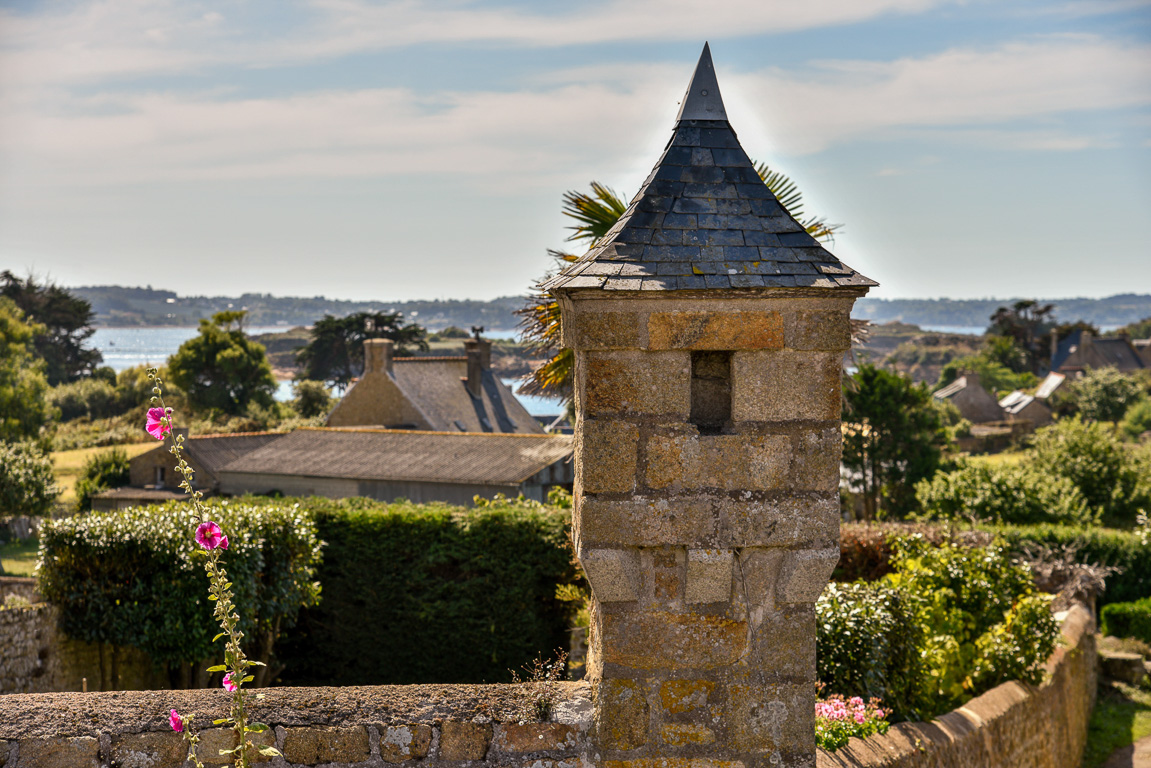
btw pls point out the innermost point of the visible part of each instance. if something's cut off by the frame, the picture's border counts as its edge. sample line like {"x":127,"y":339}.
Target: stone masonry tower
{"x":708,"y":330}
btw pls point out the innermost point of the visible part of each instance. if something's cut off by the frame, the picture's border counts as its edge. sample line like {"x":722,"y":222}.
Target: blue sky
{"x":420,"y":149}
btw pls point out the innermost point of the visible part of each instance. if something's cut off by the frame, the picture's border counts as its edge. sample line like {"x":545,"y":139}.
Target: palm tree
{"x":595,"y":214}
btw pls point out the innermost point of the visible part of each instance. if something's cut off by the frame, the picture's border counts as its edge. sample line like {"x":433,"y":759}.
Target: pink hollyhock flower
{"x":154,"y":427}
{"x":855,"y":701}
{"x":176,"y":721}
{"x":228,"y":684}
{"x":209,"y":536}
{"x":860,"y":717}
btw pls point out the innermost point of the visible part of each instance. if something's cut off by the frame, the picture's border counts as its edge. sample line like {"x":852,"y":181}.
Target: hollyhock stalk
{"x":212,"y":542}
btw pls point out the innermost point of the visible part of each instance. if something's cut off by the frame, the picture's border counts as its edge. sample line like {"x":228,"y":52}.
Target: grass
{"x":1122,"y":716}
{"x":18,"y":558}
{"x":67,"y":466}
{"x":1005,"y":459}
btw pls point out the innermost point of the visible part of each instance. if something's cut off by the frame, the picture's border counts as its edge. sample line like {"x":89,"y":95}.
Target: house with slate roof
{"x":1019,"y":406}
{"x":449,"y":467}
{"x":438,"y":394}
{"x":1081,"y":351}
{"x":973,"y":401}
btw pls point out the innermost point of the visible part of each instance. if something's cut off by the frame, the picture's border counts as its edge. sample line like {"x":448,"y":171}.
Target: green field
{"x":18,"y":558}
{"x":1007,"y":458}
{"x":67,"y":466}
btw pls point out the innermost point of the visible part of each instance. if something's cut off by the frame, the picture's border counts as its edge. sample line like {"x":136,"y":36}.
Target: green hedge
{"x":130,"y":578}
{"x":431,"y":593}
{"x":1128,"y":619}
{"x":865,"y":550}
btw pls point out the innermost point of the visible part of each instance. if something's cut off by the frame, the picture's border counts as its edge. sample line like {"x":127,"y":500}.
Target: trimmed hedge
{"x":432,"y":593}
{"x":1128,"y":619}
{"x":131,"y":578}
{"x":866,"y":550}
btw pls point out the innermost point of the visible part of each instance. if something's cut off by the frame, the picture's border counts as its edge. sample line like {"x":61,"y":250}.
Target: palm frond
{"x":789,"y":196}
{"x":596,"y":213}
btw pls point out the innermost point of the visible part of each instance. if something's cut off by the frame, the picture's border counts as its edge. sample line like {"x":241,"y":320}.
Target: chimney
{"x":1054,"y":347}
{"x":1085,"y":340}
{"x":972,"y":379}
{"x":479,"y":353}
{"x":378,"y":356}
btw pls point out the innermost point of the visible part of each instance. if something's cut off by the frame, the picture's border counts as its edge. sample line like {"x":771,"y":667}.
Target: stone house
{"x":975,"y":403}
{"x":1081,"y":351}
{"x":438,"y":394}
{"x":207,"y":455}
{"x":1018,"y":406}
{"x":451,"y":467}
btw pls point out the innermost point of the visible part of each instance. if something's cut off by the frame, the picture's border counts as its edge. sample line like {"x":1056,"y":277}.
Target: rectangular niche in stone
{"x":710,"y":391}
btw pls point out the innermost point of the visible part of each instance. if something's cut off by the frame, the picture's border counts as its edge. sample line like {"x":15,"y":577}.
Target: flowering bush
{"x":838,"y":719}
{"x":213,"y":542}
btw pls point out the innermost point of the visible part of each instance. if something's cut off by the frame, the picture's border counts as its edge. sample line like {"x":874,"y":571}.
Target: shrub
{"x":27,"y":485}
{"x":1138,"y":419}
{"x":1106,"y":471}
{"x":454,"y":595}
{"x":312,"y":398}
{"x":92,"y":398}
{"x":104,"y":470}
{"x":1128,"y":619}
{"x":1104,"y":394}
{"x":1001,"y":494}
{"x":128,"y":578}
{"x":868,"y":644}
{"x":981,"y":620}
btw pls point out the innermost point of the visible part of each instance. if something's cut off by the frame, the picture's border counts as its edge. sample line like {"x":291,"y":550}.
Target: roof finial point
{"x":702,"y":100}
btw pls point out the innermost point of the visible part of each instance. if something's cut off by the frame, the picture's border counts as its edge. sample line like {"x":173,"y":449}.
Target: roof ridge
{"x":702,"y":100}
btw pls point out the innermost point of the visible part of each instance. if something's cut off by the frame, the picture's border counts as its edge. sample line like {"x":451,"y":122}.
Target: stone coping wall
{"x":1013,"y":725}
{"x":432,"y":726}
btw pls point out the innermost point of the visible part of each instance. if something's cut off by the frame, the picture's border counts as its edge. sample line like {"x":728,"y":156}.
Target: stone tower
{"x":708,"y":329}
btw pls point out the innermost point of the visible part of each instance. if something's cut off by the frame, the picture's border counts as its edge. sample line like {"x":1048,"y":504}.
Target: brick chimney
{"x":708,"y":331}
{"x":972,"y":379}
{"x":378,"y":356}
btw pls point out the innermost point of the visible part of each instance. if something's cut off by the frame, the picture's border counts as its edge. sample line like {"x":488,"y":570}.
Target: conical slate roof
{"x":705,"y":220}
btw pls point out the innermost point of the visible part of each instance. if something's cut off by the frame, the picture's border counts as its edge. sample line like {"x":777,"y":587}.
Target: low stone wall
{"x":36,"y":657}
{"x":1011,"y":726}
{"x":18,"y":586}
{"x":419,"y":725}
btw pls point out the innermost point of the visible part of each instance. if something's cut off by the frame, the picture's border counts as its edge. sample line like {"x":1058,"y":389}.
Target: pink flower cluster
{"x":836,"y":708}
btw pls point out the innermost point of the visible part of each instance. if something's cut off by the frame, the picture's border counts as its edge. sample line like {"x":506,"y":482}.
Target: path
{"x":1137,"y":755}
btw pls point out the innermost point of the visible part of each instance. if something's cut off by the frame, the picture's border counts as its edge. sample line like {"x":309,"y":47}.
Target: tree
{"x":595,"y":214}
{"x":312,"y":398}
{"x":1007,"y":352}
{"x":336,"y":352}
{"x":893,"y":437}
{"x":994,"y":377}
{"x":1105,"y":394}
{"x":23,"y":407}
{"x":26,"y":482}
{"x":222,"y":369}
{"x":1027,"y":322}
{"x":66,"y":323}
{"x":102,"y":471}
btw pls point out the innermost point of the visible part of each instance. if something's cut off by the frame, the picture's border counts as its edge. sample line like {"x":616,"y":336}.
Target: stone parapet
{"x":1009,"y":726}
{"x":430,"y":726}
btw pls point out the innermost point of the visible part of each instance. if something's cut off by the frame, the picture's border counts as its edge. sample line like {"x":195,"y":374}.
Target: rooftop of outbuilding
{"x":704,"y":220}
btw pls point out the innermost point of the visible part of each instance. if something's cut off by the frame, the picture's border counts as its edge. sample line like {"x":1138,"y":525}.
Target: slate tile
{"x":753,"y":191}
{"x":628,"y":250}
{"x":766,"y":207}
{"x":669,"y":237}
{"x":663,"y":188}
{"x":711,"y":253}
{"x":658,"y":284}
{"x":780,"y":224}
{"x":634,"y":235}
{"x":724,"y":237}
{"x":746,"y":281}
{"x":695,"y":236}
{"x":712,"y":221}
{"x":680,"y":221}
{"x":783,"y":255}
{"x":657,"y":253}
{"x":606,"y":269}
{"x":801,"y":268}
{"x":655,"y":204}
{"x":676,"y":155}
{"x":636,"y":270}
{"x":735,"y":267}
{"x":623,"y":283}
{"x":699,"y":174}
{"x":740,"y":253}
{"x":733,"y":156}
{"x":685,"y":136}
{"x":796,"y":239}
{"x":809,"y":254}
{"x":708,"y":268}
{"x":834,"y":269}
{"x":669,"y":173}
{"x":759,"y":237}
{"x":700,"y":156}
{"x":688,"y":282}
{"x":733,"y":207}
{"x":710,"y":190}
{"x":718,"y":137}
{"x":694,"y":205}
{"x":779,"y":281}
{"x":742,"y":175}
{"x":717,"y":281}
{"x":644,"y":219}
{"x":579,"y":281}
{"x":673,"y":268}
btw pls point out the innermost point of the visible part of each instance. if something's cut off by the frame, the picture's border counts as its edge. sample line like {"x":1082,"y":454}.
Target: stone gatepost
{"x":709,"y":330}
